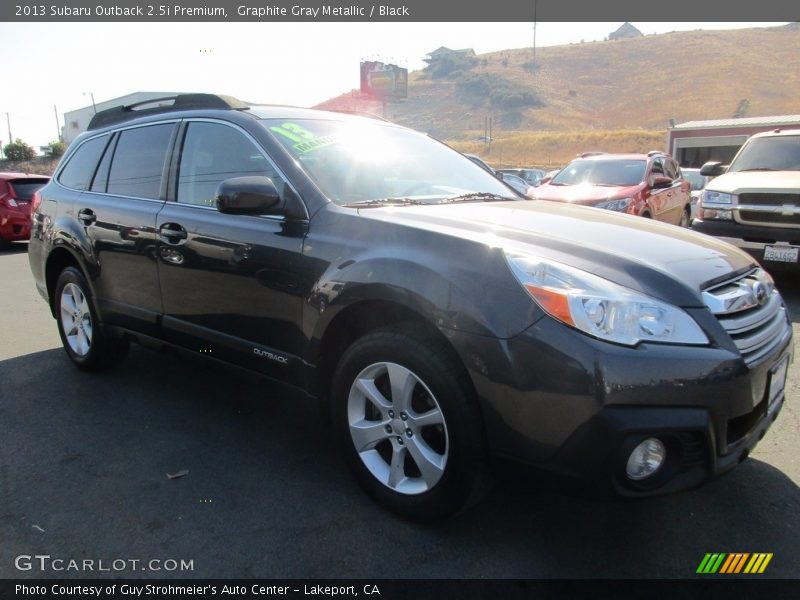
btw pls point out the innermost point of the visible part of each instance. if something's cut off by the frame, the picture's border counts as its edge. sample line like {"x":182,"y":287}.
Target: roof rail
{"x":587,"y":154}
{"x":154,"y":106}
{"x":358,"y":113}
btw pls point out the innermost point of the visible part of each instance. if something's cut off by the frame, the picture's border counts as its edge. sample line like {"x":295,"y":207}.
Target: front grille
{"x":768,"y":199}
{"x":762,"y":216}
{"x":752,"y":312}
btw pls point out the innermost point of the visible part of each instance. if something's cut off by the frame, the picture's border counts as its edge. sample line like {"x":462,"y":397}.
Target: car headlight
{"x":600,"y":308}
{"x":619,"y":205}
{"x":712,"y":197}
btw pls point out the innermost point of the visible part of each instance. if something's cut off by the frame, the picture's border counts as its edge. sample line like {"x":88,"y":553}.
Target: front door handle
{"x":87,"y":216}
{"x":172,"y":233}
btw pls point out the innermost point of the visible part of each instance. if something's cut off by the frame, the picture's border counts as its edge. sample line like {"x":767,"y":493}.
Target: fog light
{"x":646,"y":459}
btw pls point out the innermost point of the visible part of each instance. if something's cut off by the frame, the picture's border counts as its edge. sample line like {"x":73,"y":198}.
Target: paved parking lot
{"x":84,"y":458}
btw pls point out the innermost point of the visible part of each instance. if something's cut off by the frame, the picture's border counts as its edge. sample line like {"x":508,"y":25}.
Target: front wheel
{"x":409,"y":424}
{"x":85,"y":343}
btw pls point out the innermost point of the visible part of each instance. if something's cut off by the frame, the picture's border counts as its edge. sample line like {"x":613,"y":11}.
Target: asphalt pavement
{"x":85,"y":458}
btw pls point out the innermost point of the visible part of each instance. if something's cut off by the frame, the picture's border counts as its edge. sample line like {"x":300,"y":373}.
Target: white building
{"x":77,"y":121}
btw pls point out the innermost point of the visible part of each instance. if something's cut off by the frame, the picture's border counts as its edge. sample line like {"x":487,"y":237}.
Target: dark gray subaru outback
{"x":439,"y":317}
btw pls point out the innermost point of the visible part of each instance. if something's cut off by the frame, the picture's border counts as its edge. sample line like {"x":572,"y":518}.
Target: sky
{"x":47,"y":65}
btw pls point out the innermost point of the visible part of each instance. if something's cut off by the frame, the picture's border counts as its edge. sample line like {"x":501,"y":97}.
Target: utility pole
{"x":58,"y":125}
{"x":8,"y":120}
{"x":94,"y":106}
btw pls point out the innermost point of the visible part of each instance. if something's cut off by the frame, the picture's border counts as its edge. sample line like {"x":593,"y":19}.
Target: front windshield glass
{"x":769,"y":154}
{"x":361,"y":161}
{"x":697,"y":181}
{"x":601,"y":172}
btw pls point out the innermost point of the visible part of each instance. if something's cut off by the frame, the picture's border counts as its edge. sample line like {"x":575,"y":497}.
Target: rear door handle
{"x":87,"y":216}
{"x":172,"y":233}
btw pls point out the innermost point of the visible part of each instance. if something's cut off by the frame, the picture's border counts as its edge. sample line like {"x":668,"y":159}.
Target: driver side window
{"x":212,"y":153}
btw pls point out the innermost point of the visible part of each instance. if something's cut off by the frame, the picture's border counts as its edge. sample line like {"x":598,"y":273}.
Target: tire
{"x":78,"y":326}
{"x":422,"y":454}
{"x":686,"y":217}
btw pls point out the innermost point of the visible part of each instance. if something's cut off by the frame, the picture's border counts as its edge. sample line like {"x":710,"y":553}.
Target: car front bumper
{"x":751,"y":238}
{"x":560,"y":400}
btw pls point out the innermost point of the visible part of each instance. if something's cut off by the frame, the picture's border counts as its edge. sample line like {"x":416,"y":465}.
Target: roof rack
{"x":154,"y":106}
{"x":588,"y":154}
{"x":655,"y":153}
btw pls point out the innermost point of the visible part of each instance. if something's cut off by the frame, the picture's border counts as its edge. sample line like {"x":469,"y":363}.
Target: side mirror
{"x":712,"y":168}
{"x":248,"y":196}
{"x":661,"y":182}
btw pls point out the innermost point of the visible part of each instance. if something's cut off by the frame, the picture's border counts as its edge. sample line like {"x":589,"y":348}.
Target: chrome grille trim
{"x":757,"y":325}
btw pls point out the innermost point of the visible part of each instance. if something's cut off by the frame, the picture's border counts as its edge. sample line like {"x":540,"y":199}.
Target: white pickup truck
{"x":755,"y":202}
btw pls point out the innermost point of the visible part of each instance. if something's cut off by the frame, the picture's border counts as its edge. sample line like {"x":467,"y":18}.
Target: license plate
{"x":787,"y":254}
{"x":777,"y":383}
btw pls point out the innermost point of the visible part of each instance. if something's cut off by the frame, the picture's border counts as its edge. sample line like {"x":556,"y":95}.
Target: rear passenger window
{"x":138,"y":161}
{"x":213,"y":152}
{"x":79,"y":170}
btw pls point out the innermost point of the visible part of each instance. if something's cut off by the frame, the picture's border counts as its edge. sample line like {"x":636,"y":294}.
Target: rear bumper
{"x":14,"y":226}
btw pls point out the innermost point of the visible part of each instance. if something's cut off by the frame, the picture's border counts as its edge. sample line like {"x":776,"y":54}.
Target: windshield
{"x":697,"y":181}
{"x":601,"y":172}
{"x":354,"y":161}
{"x":769,"y":154}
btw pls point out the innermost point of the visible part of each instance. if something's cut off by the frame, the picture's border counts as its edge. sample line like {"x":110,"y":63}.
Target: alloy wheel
{"x":397,"y":428}
{"x":76,"y":319}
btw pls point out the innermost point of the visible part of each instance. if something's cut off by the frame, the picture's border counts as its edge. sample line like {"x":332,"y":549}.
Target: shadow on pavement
{"x":84,"y":460}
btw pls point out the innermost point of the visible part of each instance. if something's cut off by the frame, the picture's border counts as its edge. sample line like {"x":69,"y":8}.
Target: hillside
{"x":633,"y":84}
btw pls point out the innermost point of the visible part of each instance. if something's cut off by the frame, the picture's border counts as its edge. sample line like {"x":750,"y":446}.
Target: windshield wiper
{"x":376,"y":202}
{"x":757,"y":169}
{"x":476,"y":197}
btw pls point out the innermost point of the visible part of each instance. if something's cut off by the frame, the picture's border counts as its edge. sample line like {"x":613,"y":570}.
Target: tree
{"x":19,"y":150}
{"x":57,"y":149}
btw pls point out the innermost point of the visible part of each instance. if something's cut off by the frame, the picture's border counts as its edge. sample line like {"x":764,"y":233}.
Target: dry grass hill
{"x":610,"y":95}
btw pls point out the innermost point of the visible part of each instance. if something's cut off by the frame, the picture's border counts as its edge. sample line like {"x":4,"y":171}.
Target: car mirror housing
{"x":712,"y":168}
{"x":248,"y":196}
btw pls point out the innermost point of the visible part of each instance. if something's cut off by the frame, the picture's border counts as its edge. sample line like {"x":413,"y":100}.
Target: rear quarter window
{"x":78,"y":172}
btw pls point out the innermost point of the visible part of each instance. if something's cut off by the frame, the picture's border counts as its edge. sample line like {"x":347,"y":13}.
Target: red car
{"x":16,"y":192}
{"x":647,"y":185}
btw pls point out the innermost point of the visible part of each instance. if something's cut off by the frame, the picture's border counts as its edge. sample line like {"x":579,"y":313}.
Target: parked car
{"x":532,"y":176}
{"x":698,"y":182}
{"x":438,"y":318}
{"x":16,"y":191}
{"x":518,"y":183}
{"x":755,"y":202}
{"x":647,"y":185}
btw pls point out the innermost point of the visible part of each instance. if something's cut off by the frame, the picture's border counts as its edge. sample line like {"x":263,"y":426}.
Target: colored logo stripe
{"x":758,"y":563}
{"x":723,"y":563}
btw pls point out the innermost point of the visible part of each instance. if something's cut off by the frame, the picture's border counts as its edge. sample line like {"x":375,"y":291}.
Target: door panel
{"x":121,"y":227}
{"x":229,"y":283}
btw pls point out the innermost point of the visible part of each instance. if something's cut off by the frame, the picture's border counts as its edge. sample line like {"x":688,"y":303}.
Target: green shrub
{"x":19,"y":150}
{"x":57,"y":149}
{"x":449,"y":64}
{"x":501,"y":92}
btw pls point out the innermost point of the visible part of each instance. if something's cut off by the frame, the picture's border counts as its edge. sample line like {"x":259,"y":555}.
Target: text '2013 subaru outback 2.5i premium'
{"x":440,"y":317}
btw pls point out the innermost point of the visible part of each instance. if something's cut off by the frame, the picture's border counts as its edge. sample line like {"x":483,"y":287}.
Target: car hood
{"x":661,"y":260}
{"x":756,"y":181}
{"x":584,"y":193}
